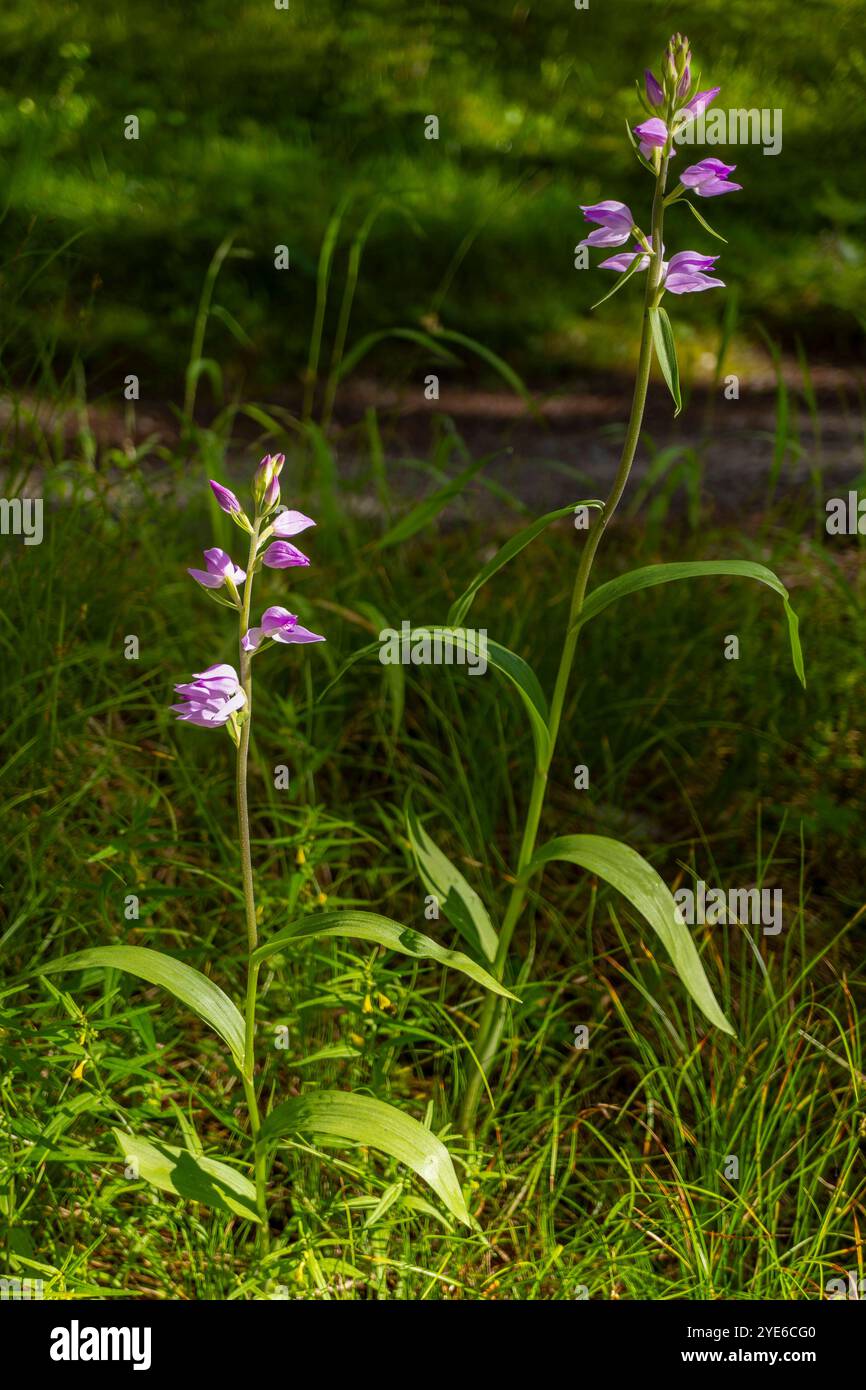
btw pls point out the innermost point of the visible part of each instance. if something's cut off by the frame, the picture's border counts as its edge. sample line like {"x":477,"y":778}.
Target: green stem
{"x":493,"y":1014}
{"x":246,"y":676}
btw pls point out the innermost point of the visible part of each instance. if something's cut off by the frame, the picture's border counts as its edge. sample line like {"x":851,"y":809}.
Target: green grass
{"x":600,"y":1169}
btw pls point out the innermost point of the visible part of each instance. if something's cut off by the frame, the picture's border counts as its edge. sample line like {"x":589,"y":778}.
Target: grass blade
{"x":460,"y":607}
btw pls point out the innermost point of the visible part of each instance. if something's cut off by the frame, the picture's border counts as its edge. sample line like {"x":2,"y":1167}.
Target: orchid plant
{"x":220,"y":697}
{"x":669,"y":104}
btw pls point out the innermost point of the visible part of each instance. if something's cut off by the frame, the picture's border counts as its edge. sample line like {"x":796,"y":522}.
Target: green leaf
{"x":395,"y":675}
{"x":460,"y":607}
{"x":626,"y":275}
{"x":627,"y":871}
{"x":411,"y":335}
{"x":369,"y":926}
{"x":508,"y":374}
{"x":190,"y":986}
{"x":666,"y":352}
{"x":521,"y":676}
{"x":457,"y":899}
{"x":425,"y":511}
{"x":703,"y":221}
{"x":651,"y":575}
{"x":513,"y":667}
{"x":647,"y":164}
{"x":205,"y":1180}
{"x":342,"y":1115}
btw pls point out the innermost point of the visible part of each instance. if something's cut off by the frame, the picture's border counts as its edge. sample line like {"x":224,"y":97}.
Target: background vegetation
{"x":260,"y":123}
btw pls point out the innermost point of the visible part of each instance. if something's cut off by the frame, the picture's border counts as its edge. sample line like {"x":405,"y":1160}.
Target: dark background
{"x":260,"y":124}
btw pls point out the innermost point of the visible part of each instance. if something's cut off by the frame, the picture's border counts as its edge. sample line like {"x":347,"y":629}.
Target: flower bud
{"x":677,"y":61}
{"x":655,"y":95}
{"x":225,"y":498}
{"x":266,"y":489}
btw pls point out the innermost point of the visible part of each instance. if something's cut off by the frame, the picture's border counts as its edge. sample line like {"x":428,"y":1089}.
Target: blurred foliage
{"x":257,"y":121}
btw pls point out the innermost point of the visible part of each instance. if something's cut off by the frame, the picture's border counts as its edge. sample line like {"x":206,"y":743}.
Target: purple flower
{"x":652,"y":134}
{"x":212,"y":697}
{"x":654,"y":92}
{"x":226,"y":498}
{"x":282,"y":555}
{"x":616,"y":223}
{"x":709,"y":178}
{"x":684,"y":273}
{"x":624,"y":260}
{"x":699,"y":103}
{"x":220,"y":567}
{"x":291,"y":523}
{"x":684,"y":83}
{"x":280,"y":626}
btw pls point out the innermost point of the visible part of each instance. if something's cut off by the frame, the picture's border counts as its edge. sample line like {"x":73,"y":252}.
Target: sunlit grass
{"x":601,"y":1169}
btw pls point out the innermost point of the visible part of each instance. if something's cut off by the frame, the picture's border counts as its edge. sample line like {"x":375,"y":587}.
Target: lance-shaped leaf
{"x":460,"y":607}
{"x":456,"y":898}
{"x":369,"y":926}
{"x":666,"y":352}
{"x":647,"y":164}
{"x":626,"y":275}
{"x":342,"y":1115}
{"x":650,"y":575}
{"x":412,"y":335}
{"x":201,"y":994}
{"x":508,"y":374}
{"x":426,"y":511}
{"x":186,"y":1174}
{"x":382,"y":931}
{"x":627,"y":871}
{"x":513,"y":667}
{"x":465,"y":641}
{"x":703,"y":221}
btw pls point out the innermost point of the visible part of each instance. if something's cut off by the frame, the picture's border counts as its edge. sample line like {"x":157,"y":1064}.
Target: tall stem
{"x":493,"y":1014}
{"x":246,"y":677}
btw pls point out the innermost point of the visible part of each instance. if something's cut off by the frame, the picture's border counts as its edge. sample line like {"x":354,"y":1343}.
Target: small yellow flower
{"x":78,"y":1073}
{"x":367,"y":1006}
{"x":356,"y":1039}
{"x":383,"y":1001}
{"x":300,"y":857}
{"x":322,"y":899}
